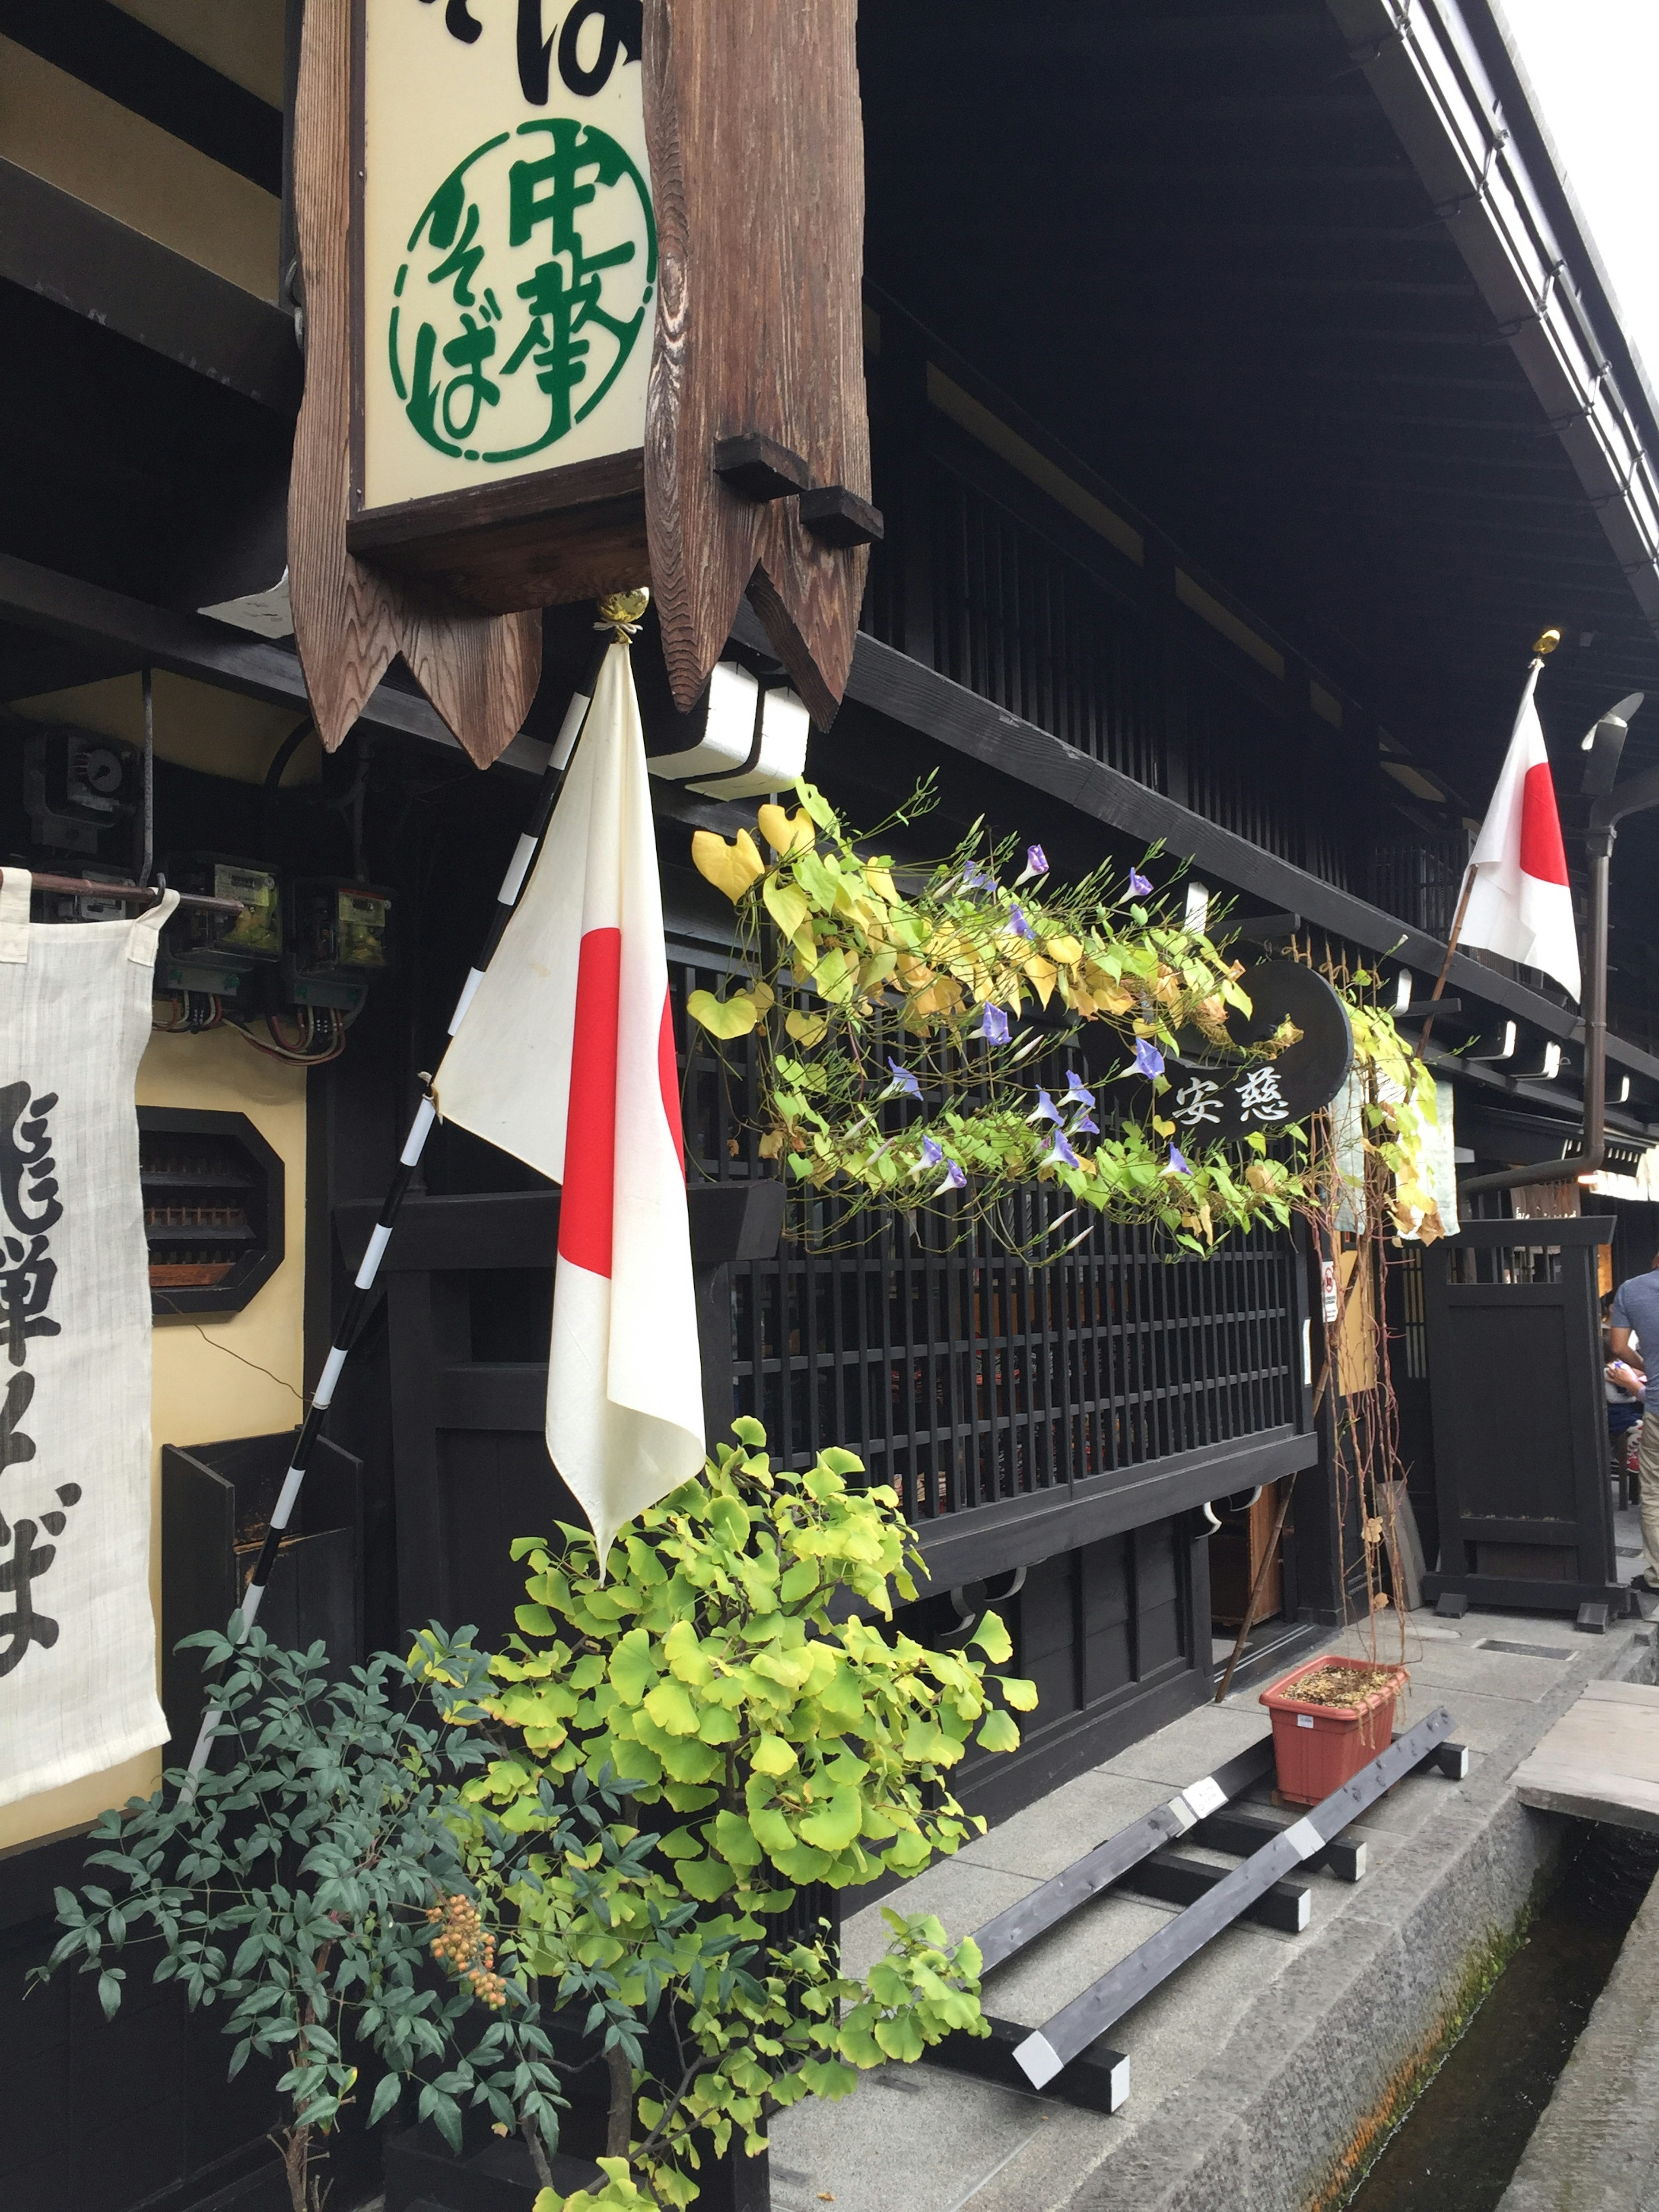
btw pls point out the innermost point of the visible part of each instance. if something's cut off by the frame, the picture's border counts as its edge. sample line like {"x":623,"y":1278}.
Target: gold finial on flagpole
{"x":1548,"y":643}
{"x":622,"y":612}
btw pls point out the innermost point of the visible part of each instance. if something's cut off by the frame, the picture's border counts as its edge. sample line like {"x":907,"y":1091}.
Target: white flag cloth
{"x":77,"y":1637}
{"x":565,"y":1057}
{"x":1519,"y":903}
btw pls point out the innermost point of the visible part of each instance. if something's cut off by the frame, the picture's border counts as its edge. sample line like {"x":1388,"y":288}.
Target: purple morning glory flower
{"x":1178,"y":1164}
{"x":1061,"y":1153}
{"x":994,"y":1026}
{"x":903,"y":1084}
{"x":975,"y":878}
{"x":1045,"y":1109}
{"x":1076,"y":1092}
{"x":1138,"y":885}
{"x":954,"y":1179}
{"x":1037,"y":864}
{"x":1149,"y":1060}
{"x":1085,"y":1126}
{"x":932,"y":1152}
{"x":1018,"y":924}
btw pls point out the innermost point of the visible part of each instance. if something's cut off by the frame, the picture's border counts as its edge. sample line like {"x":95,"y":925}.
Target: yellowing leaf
{"x":993,"y":1640}
{"x":770,"y":1830}
{"x":836,"y":1825}
{"x":999,"y":1734}
{"x":734,"y":1839}
{"x":730,"y":868}
{"x":1065,"y":949}
{"x":670,"y":1705}
{"x":806,"y":1029}
{"x":723,"y":1017}
{"x":1021,"y":1695}
{"x":772,"y":1755}
{"x":786,"y":833}
{"x":833,"y":978}
{"x":707,"y":1879}
{"x":788,"y":907}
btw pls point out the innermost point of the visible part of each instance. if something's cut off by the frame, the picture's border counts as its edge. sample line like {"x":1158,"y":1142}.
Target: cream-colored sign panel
{"x":509,"y":249}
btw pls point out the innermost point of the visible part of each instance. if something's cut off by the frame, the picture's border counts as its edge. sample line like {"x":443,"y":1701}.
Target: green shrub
{"x":726,"y":1669}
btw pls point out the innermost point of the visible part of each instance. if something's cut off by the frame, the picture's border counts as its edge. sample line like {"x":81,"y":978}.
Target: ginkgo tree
{"x":736,"y":1667}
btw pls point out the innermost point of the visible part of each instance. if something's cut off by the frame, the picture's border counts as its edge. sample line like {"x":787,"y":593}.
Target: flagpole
{"x":619,"y":614}
{"x":1545,"y":644}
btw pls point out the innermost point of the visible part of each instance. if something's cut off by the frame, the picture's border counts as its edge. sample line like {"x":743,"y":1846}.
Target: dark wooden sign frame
{"x":753,"y":478}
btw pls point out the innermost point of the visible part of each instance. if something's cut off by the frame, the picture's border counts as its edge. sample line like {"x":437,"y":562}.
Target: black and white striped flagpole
{"x":547,"y":798}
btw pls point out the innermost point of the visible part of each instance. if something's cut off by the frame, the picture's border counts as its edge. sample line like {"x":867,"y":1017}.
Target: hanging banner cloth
{"x":1518,"y":901}
{"x":565,"y":1057}
{"x":77,"y":1637}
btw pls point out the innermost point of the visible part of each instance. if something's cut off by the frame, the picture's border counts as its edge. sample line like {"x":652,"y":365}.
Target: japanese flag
{"x":565,"y":1057}
{"x":1519,"y":904}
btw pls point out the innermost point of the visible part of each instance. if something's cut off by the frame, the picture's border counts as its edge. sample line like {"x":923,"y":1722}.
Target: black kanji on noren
{"x":22,"y":1625}
{"x":26,"y":1159}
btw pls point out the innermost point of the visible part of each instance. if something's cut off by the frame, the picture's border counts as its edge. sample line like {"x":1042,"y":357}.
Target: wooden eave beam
{"x":921,"y":699}
{"x":103,"y":621}
{"x":55,"y":246}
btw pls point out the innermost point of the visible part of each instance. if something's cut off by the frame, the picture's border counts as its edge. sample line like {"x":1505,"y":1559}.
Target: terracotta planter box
{"x":1316,"y":1748}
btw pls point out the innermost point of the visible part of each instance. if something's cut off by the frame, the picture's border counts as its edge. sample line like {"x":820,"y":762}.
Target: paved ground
{"x":1259,"y":2066}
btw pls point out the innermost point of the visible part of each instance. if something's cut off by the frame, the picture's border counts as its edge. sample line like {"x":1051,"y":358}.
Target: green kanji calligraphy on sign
{"x":523,"y":291}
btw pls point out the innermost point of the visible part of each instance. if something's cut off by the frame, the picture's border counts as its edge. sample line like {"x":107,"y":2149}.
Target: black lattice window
{"x":967,"y":1377}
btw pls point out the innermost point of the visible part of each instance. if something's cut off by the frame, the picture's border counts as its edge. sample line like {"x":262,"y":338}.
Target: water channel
{"x":1457,"y":2147}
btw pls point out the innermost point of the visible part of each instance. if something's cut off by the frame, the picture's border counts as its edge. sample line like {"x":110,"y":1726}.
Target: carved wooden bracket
{"x":757,"y":140}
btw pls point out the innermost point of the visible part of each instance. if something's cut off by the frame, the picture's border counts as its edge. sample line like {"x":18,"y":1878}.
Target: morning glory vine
{"x":940,"y":1036}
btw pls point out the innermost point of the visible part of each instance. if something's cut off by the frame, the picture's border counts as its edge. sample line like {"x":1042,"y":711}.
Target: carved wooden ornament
{"x":582,"y":302}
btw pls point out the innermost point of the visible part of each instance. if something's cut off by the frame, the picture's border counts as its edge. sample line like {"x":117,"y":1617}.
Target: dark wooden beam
{"x":116,"y":55}
{"x":57,"y":245}
{"x":110,"y":625}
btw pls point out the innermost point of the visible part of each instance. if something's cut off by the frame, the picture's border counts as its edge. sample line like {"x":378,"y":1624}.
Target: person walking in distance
{"x":1635,"y":1320}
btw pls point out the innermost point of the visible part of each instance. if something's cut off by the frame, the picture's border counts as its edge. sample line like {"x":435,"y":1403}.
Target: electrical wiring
{"x":193,"y":1012}
{"x":306,"y":1022}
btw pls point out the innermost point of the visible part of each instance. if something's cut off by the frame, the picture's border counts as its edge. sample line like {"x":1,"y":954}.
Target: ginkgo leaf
{"x":999,"y":1732}
{"x":836,"y":1825}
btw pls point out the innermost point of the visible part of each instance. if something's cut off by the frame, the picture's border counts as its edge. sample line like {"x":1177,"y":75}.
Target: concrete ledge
{"x":1262,"y":2075}
{"x":1596,"y":2148}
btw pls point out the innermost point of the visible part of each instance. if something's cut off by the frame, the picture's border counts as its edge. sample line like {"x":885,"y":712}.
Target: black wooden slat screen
{"x":967,"y":1377}
{"x":1016,"y":618}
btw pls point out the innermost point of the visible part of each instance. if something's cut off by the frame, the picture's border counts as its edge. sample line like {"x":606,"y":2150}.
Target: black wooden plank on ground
{"x":1050,"y":2048}
{"x":1033,"y":1916}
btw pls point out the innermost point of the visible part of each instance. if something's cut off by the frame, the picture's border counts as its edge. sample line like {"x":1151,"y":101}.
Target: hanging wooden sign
{"x":1211,"y":1101}
{"x":506,"y":305}
{"x":582,"y":292}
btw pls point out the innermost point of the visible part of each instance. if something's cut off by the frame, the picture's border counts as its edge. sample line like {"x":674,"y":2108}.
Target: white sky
{"x":1594,"y":70}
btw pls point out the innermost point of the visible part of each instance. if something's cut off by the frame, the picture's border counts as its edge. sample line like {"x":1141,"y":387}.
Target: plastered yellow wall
{"x":230,"y":1375}
{"x":115,"y":159}
{"x":197,"y":724}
